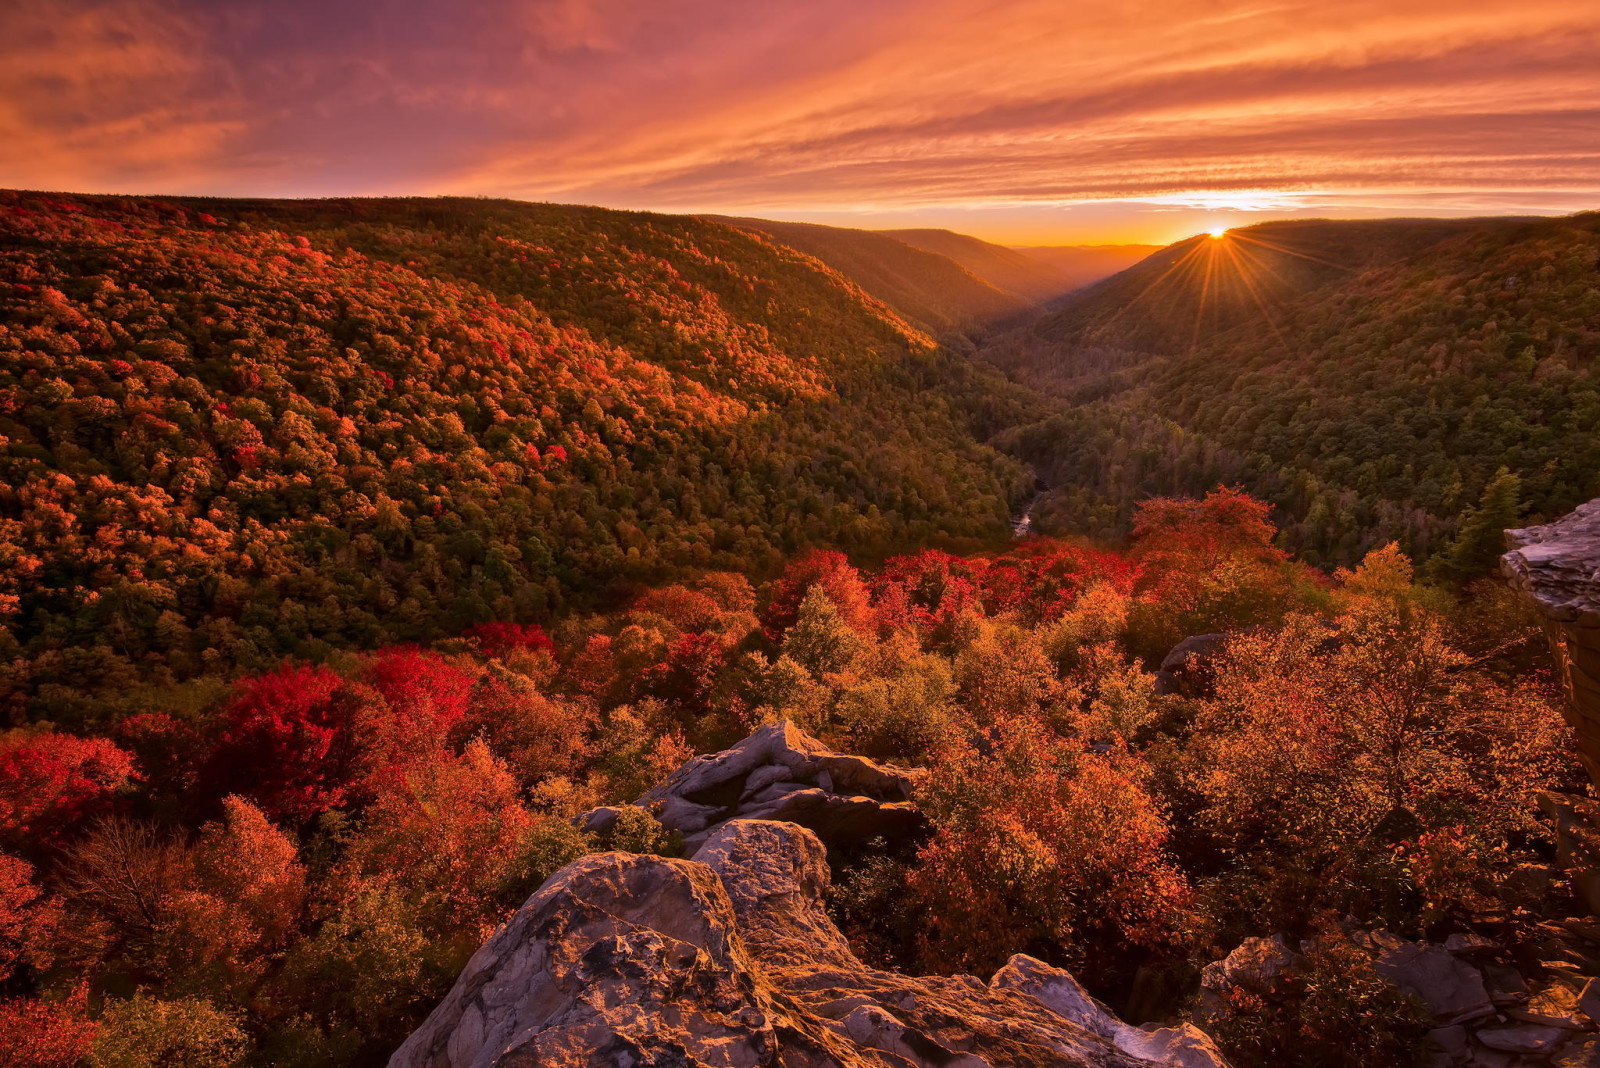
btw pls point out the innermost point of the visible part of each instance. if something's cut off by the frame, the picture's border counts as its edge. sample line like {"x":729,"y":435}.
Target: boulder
{"x":1186,"y":668}
{"x":1521,"y":1038}
{"x":730,"y":959}
{"x":1258,"y":965}
{"x":1452,"y":990}
{"x":1556,"y":569}
{"x":1577,"y":828}
{"x":1589,"y":1000}
{"x":782,"y":773}
{"x":617,"y":959}
{"x":1185,"y":1045}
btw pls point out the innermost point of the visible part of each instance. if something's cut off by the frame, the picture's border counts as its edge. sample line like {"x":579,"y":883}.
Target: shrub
{"x":144,"y":1032}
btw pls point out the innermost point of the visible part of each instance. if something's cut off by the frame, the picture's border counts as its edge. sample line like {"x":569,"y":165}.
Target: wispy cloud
{"x":982,"y":110}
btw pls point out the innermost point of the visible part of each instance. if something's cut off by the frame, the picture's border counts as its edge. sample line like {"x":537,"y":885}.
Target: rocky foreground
{"x":729,"y":958}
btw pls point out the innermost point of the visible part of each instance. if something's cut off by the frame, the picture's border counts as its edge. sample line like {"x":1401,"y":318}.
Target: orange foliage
{"x":1041,"y":844}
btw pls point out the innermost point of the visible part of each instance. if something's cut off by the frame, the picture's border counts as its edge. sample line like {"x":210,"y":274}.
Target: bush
{"x":144,"y":1032}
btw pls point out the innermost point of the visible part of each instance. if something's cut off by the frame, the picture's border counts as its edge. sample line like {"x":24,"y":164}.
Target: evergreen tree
{"x":1481,"y":538}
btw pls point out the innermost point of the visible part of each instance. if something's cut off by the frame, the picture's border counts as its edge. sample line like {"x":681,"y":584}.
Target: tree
{"x":51,"y":783}
{"x":286,"y":741}
{"x":537,"y":736}
{"x":147,"y":1032}
{"x":1480,"y":539}
{"x":26,"y":916}
{"x":820,"y":640}
{"x":449,"y":830}
{"x":44,"y":1034}
{"x":832,"y":572}
{"x":1043,"y":848}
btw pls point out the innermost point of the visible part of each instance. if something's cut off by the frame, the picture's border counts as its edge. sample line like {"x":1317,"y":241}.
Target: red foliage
{"x":689,"y":673}
{"x":1199,"y":535}
{"x":927,"y":588}
{"x":286,"y":743}
{"x":422,"y":688}
{"x":51,"y":782}
{"x":20,"y":913}
{"x":838,"y":579}
{"x":424,"y":698}
{"x":44,"y":1034}
{"x":1043,"y":578}
{"x":498,"y":639}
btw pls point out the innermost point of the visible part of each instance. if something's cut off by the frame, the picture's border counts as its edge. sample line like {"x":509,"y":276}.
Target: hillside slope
{"x":1199,"y":287}
{"x":930,"y":290}
{"x":235,"y":430}
{"x":1370,"y":378}
{"x":1035,"y":274}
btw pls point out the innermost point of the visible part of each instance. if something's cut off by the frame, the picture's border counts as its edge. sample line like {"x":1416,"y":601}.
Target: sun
{"x":1222,"y":232}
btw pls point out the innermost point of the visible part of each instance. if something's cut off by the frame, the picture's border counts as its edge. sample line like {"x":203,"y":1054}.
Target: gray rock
{"x":1185,"y":1045}
{"x":1257,"y":965}
{"x":1469,"y":943}
{"x":1521,"y":1038}
{"x":1185,"y":667}
{"x":597,"y":820}
{"x":731,"y":960}
{"x":1556,"y":568}
{"x":1577,"y":826}
{"x":1589,"y":1000}
{"x":1452,"y":990}
{"x":781,"y":773}
{"x":1451,"y":1039}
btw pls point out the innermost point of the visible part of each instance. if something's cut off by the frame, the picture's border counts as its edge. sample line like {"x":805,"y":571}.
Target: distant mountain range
{"x":1038,"y":274}
{"x":955,"y":287}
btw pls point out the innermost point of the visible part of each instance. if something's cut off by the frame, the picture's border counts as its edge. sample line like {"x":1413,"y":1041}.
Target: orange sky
{"x":1024,"y":121}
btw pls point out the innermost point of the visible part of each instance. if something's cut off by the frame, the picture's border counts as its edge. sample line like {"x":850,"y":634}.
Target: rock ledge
{"x":730,"y":960}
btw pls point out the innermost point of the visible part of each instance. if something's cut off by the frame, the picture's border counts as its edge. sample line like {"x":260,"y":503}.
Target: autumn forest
{"x":352,"y":550}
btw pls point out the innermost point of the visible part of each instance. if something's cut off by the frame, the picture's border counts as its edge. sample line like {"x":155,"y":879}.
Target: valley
{"x":370,"y":564}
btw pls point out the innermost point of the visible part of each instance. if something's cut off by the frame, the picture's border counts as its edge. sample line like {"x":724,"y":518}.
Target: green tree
{"x":1481,"y":538}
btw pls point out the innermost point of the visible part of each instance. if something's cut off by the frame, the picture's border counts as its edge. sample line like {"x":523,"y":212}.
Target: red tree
{"x":51,"y":782}
{"x":501,"y":639}
{"x":838,"y":579}
{"x":286,"y":743}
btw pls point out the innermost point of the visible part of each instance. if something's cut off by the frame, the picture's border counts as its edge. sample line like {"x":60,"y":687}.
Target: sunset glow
{"x":1023,"y":121}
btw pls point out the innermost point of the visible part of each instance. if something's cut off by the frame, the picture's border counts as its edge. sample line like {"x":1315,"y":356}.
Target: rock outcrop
{"x":782,"y":773}
{"x":730,"y":959}
{"x":1556,"y":567}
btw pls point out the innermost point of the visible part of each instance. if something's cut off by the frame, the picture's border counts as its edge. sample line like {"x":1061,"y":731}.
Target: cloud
{"x":831,"y":106}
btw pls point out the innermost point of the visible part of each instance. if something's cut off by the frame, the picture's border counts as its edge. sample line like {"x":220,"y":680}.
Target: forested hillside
{"x":931,"y":290}
{"x":232,"y":431}
{"x":1371,"y":379}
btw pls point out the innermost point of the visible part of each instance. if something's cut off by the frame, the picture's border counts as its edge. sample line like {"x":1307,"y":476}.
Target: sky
{"x":1028,"y":122}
